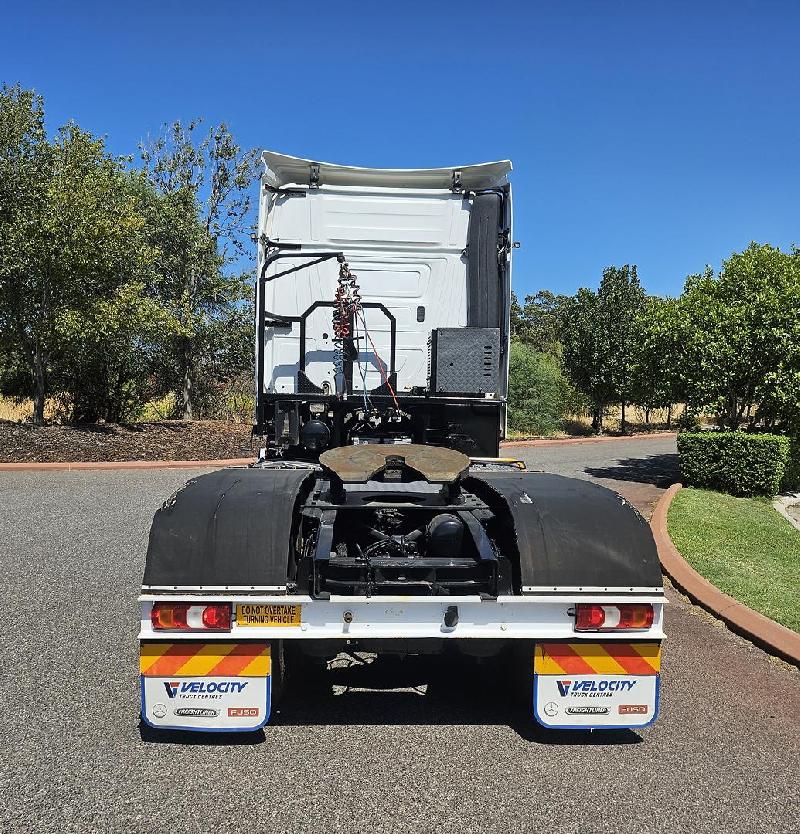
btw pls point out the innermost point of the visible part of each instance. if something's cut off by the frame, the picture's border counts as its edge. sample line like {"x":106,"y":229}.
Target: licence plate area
{"x":255,"y":615}
{"x":211,"y":687}
{"x":596,"y":685}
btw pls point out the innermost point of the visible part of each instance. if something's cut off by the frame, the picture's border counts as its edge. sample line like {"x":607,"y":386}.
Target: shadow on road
{"x":148,"y":734}
{"x":659,"y":470}
{"x":419,"y":690}
{"x":370,"y":708}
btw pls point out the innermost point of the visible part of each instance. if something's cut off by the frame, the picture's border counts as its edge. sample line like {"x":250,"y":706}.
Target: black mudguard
{"x":571,"y":533}
{"x":231,"y":527}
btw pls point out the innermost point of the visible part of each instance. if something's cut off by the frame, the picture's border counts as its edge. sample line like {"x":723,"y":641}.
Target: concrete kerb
{"x":782,"y":504}
{"x":765,"y":633}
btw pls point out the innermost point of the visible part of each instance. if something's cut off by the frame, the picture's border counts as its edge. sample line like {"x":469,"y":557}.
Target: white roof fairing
{"x":282,"y":170}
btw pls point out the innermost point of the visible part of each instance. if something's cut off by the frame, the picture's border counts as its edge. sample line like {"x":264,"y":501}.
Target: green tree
{"x":70,"y":233}
{"x":622,"y":300}
{"x":586,"y":348}
{"x":599,"y":339}
{"x":540,"y":321}
{"x":517,"y":319}
{"x":26,"y":288}
{"x":107,"y":353}
{"x":200,"y":228}
{"x":656,"y":375}
{"x":741,"y":337}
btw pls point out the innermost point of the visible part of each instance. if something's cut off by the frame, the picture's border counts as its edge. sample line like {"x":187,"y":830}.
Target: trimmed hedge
{"x":733,"y":462}
{"x":791,"y":478}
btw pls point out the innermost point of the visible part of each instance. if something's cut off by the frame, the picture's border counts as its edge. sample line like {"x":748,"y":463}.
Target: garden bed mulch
{"x":163,"y":440}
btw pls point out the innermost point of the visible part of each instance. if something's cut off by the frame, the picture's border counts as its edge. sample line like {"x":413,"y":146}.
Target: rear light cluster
{"x":196,"y":616}
{"x":622,"y":617}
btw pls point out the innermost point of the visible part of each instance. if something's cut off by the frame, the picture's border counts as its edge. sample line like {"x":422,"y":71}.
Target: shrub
{"x":538,"y":393}
{"x":791,"y":478}
{"x":688,"y":421}
{"x":734,"y":462}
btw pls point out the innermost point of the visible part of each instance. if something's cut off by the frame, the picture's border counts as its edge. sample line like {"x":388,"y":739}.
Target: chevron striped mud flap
{"x":596,"y":685}
{"x":205,"y":686}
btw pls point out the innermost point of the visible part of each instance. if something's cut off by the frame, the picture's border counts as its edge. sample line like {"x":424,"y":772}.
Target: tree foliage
{"x":540,"y":321}
{"x":25,"y":293}
{"x":200,"y":225}
{"x":72,"y":235}
{"x":740,"y":334}
{"x":600,"y":344}
{"x":116,"y":284}
{"x":730,"y":345}
{"x":655,"y":377}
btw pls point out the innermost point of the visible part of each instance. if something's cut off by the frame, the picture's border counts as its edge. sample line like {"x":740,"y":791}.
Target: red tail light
{"x":626,"y":615}
{"x":217,"y":617}
{"x":184,"y":616}
{"x":589,"y":617}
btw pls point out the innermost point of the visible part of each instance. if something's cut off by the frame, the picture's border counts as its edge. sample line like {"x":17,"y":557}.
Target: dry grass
{"x":9,"y":410}
{"x":20,"y":411}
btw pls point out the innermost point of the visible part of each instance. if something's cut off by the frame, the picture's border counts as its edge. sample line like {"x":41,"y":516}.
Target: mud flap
{"x":206,"y":686}
{"x":596,"y":685}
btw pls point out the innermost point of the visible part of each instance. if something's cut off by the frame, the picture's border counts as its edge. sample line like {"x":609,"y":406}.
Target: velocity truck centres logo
{"x":210,"y":688}
{"x":593,"y":688}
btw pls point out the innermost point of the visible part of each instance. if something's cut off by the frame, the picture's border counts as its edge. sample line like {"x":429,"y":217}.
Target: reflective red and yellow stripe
{"x":186,"y":659}
{"x":610,"y":658}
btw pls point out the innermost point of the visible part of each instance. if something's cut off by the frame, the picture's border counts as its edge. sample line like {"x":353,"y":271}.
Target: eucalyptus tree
{"x":200,"y":227}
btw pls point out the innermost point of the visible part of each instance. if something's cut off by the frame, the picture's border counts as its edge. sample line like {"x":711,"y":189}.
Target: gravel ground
{"x":385,"y":753}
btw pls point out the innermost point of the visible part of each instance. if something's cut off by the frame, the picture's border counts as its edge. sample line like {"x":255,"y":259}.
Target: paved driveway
{"x":390,"y":748}
{"x":640,"y":468}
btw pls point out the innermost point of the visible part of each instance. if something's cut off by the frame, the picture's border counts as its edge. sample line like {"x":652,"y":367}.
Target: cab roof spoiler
{"x":281,"y":170}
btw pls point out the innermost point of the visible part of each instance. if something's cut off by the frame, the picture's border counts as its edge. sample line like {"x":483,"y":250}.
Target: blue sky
{"x":663,"y":134}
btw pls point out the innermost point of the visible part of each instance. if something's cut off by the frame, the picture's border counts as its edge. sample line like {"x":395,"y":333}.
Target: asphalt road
{"x":391,"y":747}
{"x":640,"y":468}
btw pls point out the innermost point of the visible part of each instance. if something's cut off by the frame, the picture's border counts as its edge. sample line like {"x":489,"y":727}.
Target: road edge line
{"x":764,"y":632}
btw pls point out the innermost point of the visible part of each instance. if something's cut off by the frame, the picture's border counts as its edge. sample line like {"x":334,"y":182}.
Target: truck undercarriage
{"x":378,"y":516}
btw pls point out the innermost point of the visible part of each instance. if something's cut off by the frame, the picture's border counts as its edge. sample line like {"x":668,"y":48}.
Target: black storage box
{"x":464,"y":360}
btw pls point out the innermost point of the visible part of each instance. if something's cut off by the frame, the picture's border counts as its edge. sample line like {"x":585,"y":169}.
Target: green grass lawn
{"x":744,"y":547}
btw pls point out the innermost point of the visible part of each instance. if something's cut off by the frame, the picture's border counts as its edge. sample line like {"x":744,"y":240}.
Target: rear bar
{"x":543,"y":617}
